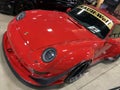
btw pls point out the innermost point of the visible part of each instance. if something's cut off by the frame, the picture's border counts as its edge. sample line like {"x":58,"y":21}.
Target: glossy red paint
{"x":39,"y":29}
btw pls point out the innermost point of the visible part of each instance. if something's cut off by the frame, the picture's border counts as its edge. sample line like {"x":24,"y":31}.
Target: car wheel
{"x":112,"y":59}
{"x":22,"y":6}
{"x":76,"y":73}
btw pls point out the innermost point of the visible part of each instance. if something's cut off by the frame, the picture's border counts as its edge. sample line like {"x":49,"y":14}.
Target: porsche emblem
{"x":26,"y":33}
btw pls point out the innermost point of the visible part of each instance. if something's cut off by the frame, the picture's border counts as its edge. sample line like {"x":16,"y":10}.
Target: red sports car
{"x":49,"y":47}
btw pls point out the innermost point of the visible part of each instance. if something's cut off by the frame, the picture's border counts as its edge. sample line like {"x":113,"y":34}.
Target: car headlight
{"x":49,"y":54}
{"x":20,"y":16}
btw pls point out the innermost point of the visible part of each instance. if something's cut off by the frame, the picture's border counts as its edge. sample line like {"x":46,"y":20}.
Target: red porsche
{"x":49,"y":47}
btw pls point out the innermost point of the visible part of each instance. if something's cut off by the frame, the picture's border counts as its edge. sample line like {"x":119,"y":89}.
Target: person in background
{"x":109,"y":5}
{"x":90,"y":2}
{"x":96,"y":3}
{"x":99,"y":3}
{"x":117,"y":11}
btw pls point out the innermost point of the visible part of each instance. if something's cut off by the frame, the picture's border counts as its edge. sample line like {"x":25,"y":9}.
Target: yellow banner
{"x":98,"y":15}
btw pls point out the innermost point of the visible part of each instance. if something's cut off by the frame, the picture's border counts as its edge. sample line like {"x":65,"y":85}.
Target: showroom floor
{"x":102,"y":76}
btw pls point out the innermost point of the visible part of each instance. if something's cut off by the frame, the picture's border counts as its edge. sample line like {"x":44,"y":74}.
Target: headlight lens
{"x":49,"y":54}
{"x":20,"y":16}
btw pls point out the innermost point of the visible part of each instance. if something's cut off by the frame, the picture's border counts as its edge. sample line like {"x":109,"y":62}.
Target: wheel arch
{"x":72,"y":59}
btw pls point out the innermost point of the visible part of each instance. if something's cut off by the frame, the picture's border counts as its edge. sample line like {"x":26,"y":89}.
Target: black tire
{"x":76,"y":73}
{"x":112,"y":59}
{"x":23,"y":5}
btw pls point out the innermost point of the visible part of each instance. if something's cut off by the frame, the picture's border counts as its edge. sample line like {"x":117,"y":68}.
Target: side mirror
{"x":68,"y":9}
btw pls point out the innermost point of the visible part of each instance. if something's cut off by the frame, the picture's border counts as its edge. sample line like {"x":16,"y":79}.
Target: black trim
{"x":47,"y":81}
{"x":116,"y":88}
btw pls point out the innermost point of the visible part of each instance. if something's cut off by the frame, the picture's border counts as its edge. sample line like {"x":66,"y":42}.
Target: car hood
{"x":45,"y":28}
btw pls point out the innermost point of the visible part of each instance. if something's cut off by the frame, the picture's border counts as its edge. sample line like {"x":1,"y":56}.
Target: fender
{"x":73,"y":58}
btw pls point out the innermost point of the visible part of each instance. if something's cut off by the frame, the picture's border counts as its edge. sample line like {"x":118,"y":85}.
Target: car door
{"x":110,"y":46}
{"x":114,"y":40}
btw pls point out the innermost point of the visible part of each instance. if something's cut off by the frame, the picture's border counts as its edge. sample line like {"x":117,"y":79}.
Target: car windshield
{"x":91,"y":22}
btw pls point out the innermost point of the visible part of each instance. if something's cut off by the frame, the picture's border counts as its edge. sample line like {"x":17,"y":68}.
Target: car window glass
{"x":90,"y":22}
{"x":116,"y":32}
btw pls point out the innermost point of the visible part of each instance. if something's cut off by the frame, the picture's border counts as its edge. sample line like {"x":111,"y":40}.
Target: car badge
{"x":26,"y":33}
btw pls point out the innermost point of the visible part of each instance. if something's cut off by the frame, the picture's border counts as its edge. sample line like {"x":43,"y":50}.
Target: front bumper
{"x":22,"y":73}
{"x":18,"y":69}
